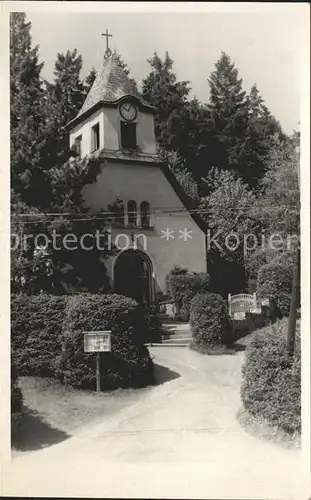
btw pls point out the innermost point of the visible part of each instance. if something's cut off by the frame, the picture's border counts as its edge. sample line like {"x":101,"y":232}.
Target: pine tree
{"x":243,"y":127}
{"x":162,"y":89}
{"x":229,"y":114}
{"x":28,"y":114}
{"x":89,"y":80}
{"x":66,"y":97}
{"x":124,"y":66}
{"x":189,"y":134}
{"x":260,"y":136}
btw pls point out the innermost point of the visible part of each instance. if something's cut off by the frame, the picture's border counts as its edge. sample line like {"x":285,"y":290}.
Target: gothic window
{"x":128,"y":135}
{"x":132,"y":213}
{"x":78,"y":143}
{"x":145,"y":214}
{"x":95,"y":138}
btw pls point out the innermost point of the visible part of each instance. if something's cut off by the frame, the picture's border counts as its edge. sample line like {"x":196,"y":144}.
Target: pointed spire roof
{"x":110,"y":85}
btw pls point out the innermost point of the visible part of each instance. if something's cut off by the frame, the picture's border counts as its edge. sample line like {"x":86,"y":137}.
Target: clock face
{"x":128,"y":111}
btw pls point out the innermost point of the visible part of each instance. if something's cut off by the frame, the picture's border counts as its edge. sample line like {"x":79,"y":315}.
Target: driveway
{"x":182,"y":439}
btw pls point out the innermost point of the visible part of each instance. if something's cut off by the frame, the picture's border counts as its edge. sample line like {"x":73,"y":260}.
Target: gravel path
{"x":182,"y":439}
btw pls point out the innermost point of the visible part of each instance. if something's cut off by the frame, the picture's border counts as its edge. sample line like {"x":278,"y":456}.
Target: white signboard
{"x":239,"y":315}
{"x":265,"y":302}
{"x":97,"y":341}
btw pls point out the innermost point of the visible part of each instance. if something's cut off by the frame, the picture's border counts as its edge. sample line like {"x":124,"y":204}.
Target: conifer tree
{"x":162,"y":89}
{"x":124,"y":66}
{"x":190,"y":135}
{"x":28,"y":114}
{"x":261,"y":133}
{"x":229,"y":114}
{"x":89,"y":80}
{"x":244,"y":130}
{"x":66,"y":96}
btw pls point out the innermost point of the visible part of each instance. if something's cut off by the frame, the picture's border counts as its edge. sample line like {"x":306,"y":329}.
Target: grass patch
{"x":260,"y":427}
{"x":67,"y":409}
{"x":54,"y":411}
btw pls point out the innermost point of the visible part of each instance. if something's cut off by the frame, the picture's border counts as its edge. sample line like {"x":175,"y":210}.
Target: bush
{"x":127,"y":365}
{"x":274,"y":281}
{"x":153,"y":324}
{"x":16,"y":406}
{"x":209,"y":319}
{"x":36,"y":326}
{"x":183,"y":286}
{"x":251,"y":323}
{"x":271,"y":387}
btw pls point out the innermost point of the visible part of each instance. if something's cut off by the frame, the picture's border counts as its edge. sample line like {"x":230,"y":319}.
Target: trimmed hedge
{"x":47,"y":338}
{"x":16,"y":406}
{"x":271,"y":387}
{"x":36,"y":327}
{"x":127,"y":365}
{"x":210,"y":321}
{"x":274,"y":281}
{"x":183,"y":286}
{"x":153,"y":324}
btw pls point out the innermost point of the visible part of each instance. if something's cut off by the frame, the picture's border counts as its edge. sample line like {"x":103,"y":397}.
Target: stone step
{"x":172,"y":335}
{"x":176,"y":326}
{"x":184,"y":344}
{"x":176,"y":340}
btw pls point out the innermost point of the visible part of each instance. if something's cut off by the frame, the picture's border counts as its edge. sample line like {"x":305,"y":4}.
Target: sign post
{"x":97,"y":342}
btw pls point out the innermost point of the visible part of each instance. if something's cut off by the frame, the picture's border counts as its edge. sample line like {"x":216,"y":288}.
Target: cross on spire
{"x":108,"y":50}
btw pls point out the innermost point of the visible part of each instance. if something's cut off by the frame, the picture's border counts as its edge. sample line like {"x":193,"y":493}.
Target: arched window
{"x":132,"y":213}
{"x":145,"y":214}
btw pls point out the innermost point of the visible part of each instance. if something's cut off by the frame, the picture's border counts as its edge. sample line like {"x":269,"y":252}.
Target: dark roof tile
{"x":110,"y":85}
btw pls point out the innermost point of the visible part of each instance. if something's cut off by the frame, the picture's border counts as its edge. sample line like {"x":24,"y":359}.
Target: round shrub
{"x":151,"y":329}
{"x":183,"y":286}
{"x":209,"y":319}
{"x":274,"y":281}
{"x":127,"y":365}
{"x":36,"y":327}
{"x":271,"y":386}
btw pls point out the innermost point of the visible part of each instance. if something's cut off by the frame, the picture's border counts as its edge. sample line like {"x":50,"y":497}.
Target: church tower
{"x":114,"y":121}
{"x":153,"y":229}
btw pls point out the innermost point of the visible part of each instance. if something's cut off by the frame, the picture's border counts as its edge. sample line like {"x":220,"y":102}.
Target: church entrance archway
{"x":133,"y":276}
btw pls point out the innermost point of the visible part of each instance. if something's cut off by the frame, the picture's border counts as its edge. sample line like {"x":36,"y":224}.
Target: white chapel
{"x":116,"y":124}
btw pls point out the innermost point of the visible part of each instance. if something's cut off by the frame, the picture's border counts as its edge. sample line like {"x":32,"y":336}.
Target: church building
{"x":154,"y":229}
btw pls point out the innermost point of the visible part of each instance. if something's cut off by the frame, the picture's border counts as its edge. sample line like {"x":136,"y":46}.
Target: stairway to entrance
{"x":174,"y":334}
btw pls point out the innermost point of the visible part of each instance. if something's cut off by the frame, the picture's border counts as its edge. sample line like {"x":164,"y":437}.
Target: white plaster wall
{"x":148,"y":183}
{"x":85,"y":128}
{"x":145,"y":134}
{"x":111,"y":128}
{"x":109,"y":120}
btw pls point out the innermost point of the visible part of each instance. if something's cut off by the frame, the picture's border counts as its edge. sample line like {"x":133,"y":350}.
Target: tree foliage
{"x":279,"y":197}
{"x":28,"y":114}
{"x":65,"y":98}
{"x":162,"y":90}
{"x":227,"y":210}
{"x":209,"y":319}
{"x":45,"y":178}
{"x":229,"y":154}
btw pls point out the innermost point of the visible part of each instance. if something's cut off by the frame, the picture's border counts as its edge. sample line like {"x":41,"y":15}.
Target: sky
{"x":265,"y":47}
